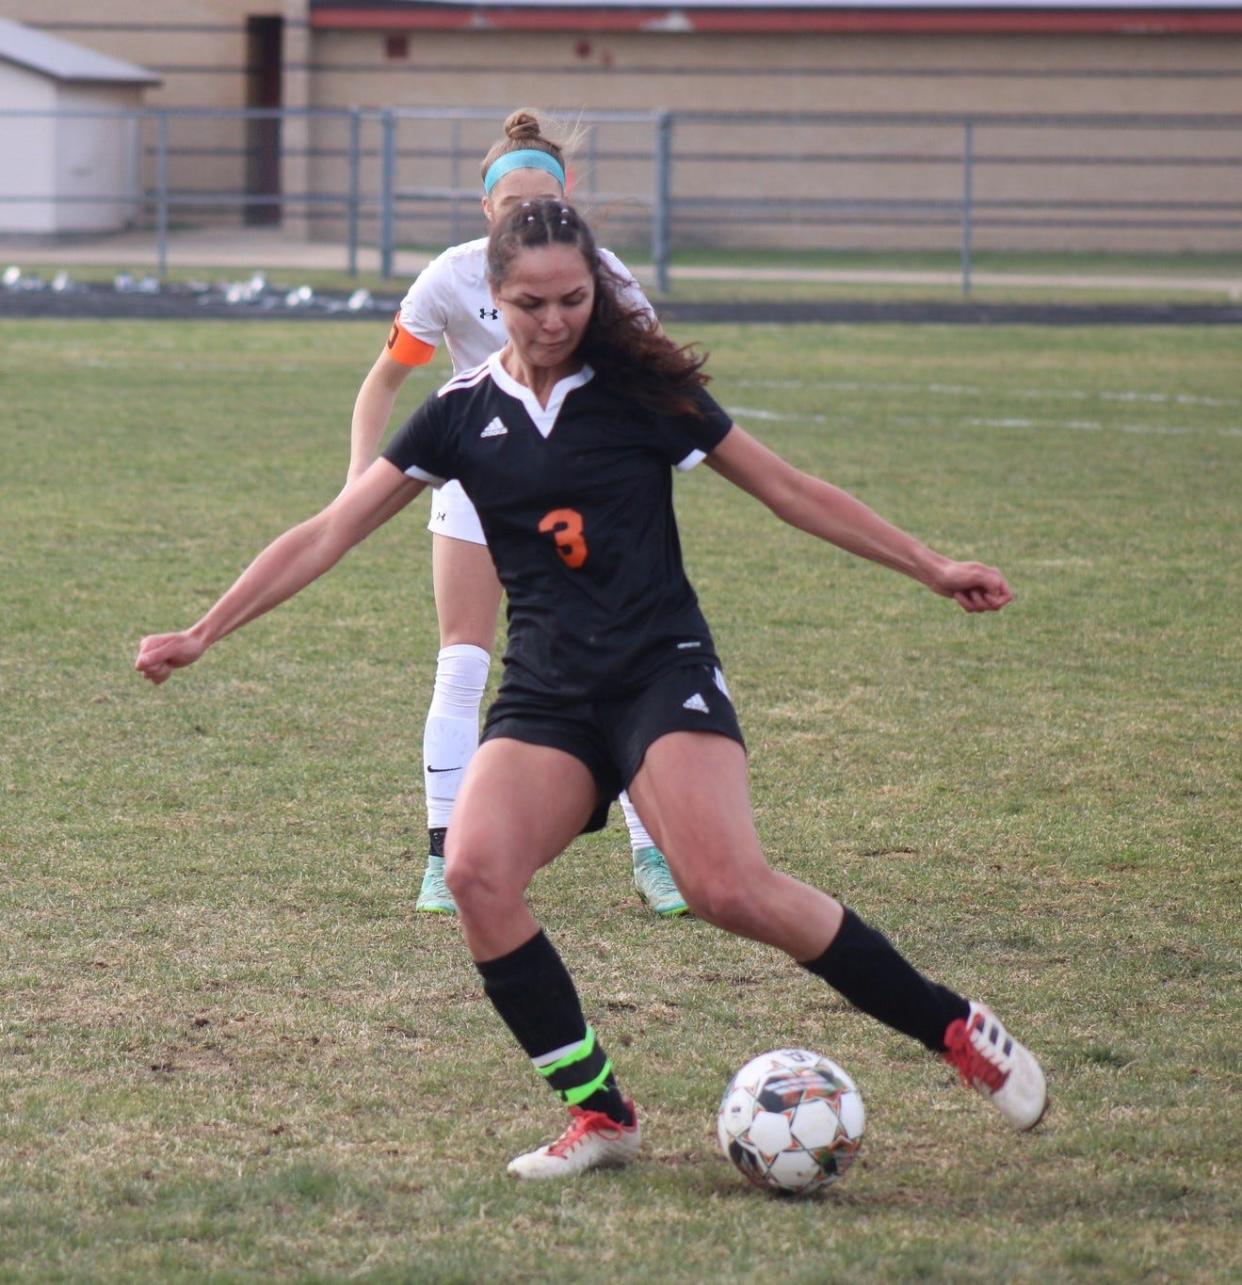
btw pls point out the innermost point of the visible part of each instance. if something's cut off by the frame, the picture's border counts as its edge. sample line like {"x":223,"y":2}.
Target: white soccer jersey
{"x":451,"y":300}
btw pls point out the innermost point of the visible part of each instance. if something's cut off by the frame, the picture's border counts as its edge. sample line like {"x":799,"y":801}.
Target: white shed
{"x":62,"y":169}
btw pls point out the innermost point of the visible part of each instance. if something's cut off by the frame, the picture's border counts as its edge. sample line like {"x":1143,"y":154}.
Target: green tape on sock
{"x":582,"y":1051}
{"x":572,"y":1097}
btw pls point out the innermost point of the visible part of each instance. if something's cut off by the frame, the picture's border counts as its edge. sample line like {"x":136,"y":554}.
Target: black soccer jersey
{"x":576,"y":502}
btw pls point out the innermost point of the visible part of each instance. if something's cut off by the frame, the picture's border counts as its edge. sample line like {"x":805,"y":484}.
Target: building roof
{"x":776,"y":4}
{"x":62,"y":60}
{"x":1136,"y":17}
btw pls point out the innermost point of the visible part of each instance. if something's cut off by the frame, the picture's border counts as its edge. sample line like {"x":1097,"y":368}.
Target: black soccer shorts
{"x":611,"y":737}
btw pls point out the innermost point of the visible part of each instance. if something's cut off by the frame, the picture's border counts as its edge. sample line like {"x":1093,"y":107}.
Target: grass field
{"x":229,"y":1051}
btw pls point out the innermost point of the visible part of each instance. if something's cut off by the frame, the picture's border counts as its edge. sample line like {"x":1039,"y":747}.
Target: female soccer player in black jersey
{"x":564,"y":441}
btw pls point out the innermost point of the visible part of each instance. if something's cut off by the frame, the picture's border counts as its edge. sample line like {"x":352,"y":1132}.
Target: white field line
{"x":743,"y":413}
{"x":970,"y":390}
{"x":751,"y":414}
{"x":1090,"y":426}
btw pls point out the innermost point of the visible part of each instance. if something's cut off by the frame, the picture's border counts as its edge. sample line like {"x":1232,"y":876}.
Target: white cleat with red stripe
{"x":1005,"y":1072}
{"x":593,"y":1140}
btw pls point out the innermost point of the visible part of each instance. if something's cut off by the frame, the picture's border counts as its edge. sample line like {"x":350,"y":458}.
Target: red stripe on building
{"x":1086,"y":21}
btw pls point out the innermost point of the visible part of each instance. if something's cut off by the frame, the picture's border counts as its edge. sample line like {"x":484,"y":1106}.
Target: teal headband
{"x":526,"y":159}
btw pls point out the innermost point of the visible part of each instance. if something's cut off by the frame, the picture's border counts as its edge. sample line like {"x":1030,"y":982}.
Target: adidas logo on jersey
{"x":696,"y":703}
{"x":495,"y":429}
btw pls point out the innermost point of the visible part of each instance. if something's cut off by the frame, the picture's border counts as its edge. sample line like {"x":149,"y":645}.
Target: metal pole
{"x":455,"y":178}
{"x":968,"y":165}
{"x":593,"y":161}
{"x":660,"y":221}
{"x":387,"y":192}
{"x":137,"y":184}
{"x":161,"y":195}
{"x":355,"y":143}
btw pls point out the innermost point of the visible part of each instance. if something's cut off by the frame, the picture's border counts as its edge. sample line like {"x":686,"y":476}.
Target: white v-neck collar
{"x":543,"y":417}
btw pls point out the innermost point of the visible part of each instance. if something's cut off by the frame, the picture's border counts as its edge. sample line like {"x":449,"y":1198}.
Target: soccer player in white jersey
{"x":566,"y":440}
{"x":451,"y":300}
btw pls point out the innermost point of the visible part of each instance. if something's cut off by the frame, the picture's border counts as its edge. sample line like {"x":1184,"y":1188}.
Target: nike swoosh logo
{"x":442,"y":769}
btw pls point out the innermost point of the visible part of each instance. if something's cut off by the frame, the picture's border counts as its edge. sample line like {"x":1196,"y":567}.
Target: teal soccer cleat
{"x":434,"y":897}
{"x":654,"y":881}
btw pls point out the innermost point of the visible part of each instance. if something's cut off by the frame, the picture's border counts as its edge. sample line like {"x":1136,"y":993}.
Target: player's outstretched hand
{"x":973,"y":586}
{"x":160,"y":654}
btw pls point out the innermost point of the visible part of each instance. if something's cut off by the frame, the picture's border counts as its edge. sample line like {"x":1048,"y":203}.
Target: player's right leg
{"x":692,"y":792}
{"x":467,"y":603}
{"x":519,"y":807}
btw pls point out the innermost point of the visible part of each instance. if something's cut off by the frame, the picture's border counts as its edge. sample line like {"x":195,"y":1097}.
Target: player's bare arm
{"x":832,"y":514}
{"x":291,"y":562}
{"x":374,"y":404}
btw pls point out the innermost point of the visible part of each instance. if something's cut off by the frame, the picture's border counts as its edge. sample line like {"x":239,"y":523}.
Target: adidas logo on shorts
{"x":696,"y":703}
{"x":495,"y":429}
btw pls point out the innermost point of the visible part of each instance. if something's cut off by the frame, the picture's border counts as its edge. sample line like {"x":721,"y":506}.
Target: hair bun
{"x":522,"y":125}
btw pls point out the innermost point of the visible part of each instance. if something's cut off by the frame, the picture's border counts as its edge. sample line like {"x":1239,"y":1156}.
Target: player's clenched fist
{"x":160,"y":654}
{"x":975,"y":587}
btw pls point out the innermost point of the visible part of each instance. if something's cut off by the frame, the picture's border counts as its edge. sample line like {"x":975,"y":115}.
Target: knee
{"x":468,"y":879}
{"x":475,"y":881}
{"x":461,"y":674}
{"x":725,"y":901}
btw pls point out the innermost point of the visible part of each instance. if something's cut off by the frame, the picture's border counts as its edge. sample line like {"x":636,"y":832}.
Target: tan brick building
{"x":852,"y":179}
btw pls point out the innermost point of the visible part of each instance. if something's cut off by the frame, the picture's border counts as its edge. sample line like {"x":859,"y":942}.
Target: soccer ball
{"x":791,"y":1120}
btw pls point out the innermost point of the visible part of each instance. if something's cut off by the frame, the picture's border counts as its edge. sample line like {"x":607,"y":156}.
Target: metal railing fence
{"x":670,"y":179}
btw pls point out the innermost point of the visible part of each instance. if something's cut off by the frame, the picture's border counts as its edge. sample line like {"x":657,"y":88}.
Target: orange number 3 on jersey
{"x":566,"y":526}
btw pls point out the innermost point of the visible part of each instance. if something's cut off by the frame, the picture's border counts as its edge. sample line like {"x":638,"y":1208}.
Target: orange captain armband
{"x":403,"y":347}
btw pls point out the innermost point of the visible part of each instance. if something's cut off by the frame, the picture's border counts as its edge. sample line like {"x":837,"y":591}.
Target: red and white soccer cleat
{"x":592,"y":1141}
{"x":1005,"y":1072}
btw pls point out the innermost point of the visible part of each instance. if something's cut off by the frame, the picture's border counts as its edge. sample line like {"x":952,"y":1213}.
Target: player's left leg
{"x":467,"y":595}
{"x":520,"y":806}
{"x":692,"y":790}
{"x":651,"y":873}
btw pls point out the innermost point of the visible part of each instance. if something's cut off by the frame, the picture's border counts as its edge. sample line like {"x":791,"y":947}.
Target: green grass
{"x":229,"y":1051}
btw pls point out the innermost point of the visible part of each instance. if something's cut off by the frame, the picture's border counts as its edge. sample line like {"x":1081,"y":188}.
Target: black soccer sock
{"x":435,"y":841}
{"x":532,"y":991}
{"x":863,"y":965}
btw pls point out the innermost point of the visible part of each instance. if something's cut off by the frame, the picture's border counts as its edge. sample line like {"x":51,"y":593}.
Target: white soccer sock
{"x":451,"y":734}
{"x":639,"y":838}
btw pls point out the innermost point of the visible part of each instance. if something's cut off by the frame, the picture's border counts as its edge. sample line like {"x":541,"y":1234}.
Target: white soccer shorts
{"x":453,"y":515}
